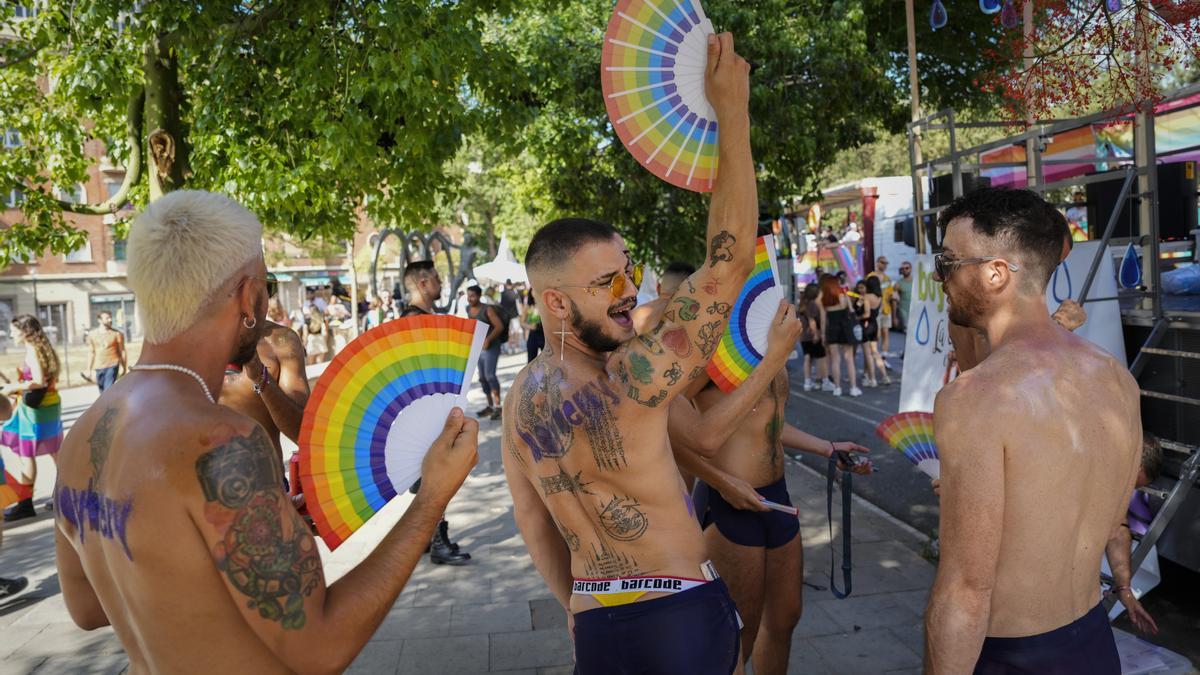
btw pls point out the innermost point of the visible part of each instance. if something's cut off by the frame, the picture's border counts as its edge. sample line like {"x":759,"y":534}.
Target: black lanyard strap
{"x":846,"y":495}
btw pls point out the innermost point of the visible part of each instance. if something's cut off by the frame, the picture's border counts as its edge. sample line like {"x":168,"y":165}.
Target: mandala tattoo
{"x":721,"y":248}
{"x":622,"y":519}
{"x":564,"y":482}
{"x":101,"y":440}
{"x":265,"y":551}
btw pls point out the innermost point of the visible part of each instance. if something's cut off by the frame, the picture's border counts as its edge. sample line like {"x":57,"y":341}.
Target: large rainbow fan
{"x":745,"y":339}
{"x":374,"y":413}
{"x":653,"y":64}
{"x":912,"y":434}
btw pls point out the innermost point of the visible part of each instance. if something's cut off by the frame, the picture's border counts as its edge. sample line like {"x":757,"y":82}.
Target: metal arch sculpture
{"x":418,"y":246}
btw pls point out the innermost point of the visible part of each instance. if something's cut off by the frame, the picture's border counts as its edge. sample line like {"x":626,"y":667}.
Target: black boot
{"x":19,"y":511}
{"x":442,"y":551}
{"x":10,"y":587}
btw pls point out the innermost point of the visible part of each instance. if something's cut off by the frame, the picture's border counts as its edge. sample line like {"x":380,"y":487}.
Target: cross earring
{"x":562,"y":343}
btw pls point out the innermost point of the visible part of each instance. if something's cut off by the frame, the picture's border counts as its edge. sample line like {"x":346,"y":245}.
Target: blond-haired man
{"x":172,"y":524}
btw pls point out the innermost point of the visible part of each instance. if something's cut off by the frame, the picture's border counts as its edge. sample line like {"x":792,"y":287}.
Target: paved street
{"x":495,"y":615}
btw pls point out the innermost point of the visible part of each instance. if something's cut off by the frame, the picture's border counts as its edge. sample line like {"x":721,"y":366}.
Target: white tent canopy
{"x":504,"y":267}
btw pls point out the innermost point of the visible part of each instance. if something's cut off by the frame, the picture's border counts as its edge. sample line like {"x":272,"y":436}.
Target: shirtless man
{"x":645,"y":317}
{"x":1039,"y":449}
{"x":733,"y":443}
{"x":272,"y":388}
{"x":106,"y":351}
{"x":596,"y":492}
{"x":172,"y":524}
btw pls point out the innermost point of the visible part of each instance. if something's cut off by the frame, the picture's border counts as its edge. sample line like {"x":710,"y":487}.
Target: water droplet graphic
{"x":1063,"y":273}
{"x":923,"y":325}
{"x":1010,"y":17}
{"x":1131,"y":268}
{"x":989,"y":6}
{"x":937,"y":15}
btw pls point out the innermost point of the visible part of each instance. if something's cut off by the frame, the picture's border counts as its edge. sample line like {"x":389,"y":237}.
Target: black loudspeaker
{"x":1176,"y":203}
{"x":941,"y":194}
{"x":943,"y":187}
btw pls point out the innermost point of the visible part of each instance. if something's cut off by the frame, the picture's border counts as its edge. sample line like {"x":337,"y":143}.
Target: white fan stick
{"x":687,"y":140}
{"x":644,"y":108}
{"x":644,"y":27}
{"x":644,"y":87}
{"x":666,"y":18}
{"x":642,"y":49}
{"x":666,"y":139}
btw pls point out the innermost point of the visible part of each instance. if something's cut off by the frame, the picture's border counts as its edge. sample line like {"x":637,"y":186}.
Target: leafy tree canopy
{"x":304,"y":110}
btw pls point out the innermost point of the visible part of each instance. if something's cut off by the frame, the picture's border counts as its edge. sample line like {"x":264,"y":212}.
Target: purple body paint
{"x":89,"y":510}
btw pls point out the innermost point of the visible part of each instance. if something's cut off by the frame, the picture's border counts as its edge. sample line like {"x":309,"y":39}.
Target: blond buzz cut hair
{"x":181,"y":250}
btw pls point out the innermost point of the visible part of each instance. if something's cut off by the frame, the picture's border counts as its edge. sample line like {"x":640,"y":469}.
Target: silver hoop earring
{"x":248,"y":324}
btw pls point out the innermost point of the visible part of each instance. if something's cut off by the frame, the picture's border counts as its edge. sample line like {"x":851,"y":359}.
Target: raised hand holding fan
{"x":745,"y":340}
{"x":653,"y":64}
{"x":374,"y":413}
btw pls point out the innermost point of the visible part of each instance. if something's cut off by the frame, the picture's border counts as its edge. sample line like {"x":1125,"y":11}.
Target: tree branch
{"x":133,"y":164}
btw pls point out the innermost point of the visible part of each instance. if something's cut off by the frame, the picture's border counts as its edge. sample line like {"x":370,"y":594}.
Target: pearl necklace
{"x":178,"y":369}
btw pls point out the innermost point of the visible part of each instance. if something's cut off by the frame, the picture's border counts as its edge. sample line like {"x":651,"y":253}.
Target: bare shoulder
{"x":283,"y":339}
{"x":233,"y":457}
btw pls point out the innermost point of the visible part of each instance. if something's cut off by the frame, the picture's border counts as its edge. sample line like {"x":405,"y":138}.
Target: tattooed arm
{"x":268,"y":559}
{"x":658,"y":365}
{"x":82,"y":603}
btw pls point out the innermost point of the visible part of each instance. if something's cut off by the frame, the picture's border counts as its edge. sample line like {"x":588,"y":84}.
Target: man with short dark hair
{"x":1038,"y":444}
{"x":903,"y":296}
{"x":597,"y":494}
{"x":106,"y":351}
{"x":424,"y":286}
{"x":489,"y":358}
{"x":647,"y":316}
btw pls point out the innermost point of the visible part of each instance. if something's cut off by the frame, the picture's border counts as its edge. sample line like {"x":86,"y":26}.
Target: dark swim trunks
{"x":1085,"y":645}
{"x":694,"y":631}
{"x":770,"y":529}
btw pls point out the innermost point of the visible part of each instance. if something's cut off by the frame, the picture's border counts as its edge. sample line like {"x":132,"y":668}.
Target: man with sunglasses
{"x":1039,"y":446}
{"x":596,"y":492}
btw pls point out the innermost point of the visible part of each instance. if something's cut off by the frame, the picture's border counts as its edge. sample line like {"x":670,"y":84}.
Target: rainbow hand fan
{"x":376,"y":410}
{"x":745,"y":339}
{"x":912,"y":434}
{"x":653,"y":64}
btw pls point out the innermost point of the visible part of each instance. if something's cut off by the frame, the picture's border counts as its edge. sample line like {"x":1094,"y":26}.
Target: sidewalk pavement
{"x":496,"y":615}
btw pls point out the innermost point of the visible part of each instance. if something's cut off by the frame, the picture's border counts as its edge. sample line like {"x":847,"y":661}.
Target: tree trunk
{"x":166,"y":140}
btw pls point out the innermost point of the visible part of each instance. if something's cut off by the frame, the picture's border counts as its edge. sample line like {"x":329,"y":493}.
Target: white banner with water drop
{"x":928,"y":353}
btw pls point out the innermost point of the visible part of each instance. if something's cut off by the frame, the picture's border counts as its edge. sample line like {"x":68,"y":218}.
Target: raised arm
{"x":269,"y":560}
{"x":972,"y":515}
{"x":660,"y":364}
{"x":285,"y":394}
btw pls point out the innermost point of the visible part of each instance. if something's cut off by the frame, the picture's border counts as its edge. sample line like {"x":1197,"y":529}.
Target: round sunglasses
{"x":616,"y":286}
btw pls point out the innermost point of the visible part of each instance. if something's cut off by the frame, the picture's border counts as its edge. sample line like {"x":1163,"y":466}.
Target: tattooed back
{"x":142,"y":472}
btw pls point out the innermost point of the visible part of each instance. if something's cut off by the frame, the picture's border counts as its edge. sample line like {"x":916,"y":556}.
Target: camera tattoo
{"x":265,"y":550}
